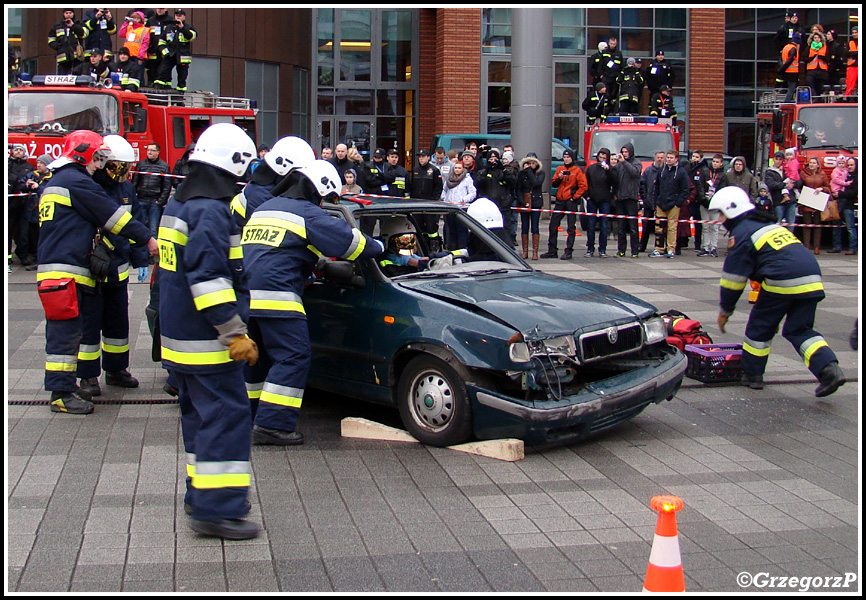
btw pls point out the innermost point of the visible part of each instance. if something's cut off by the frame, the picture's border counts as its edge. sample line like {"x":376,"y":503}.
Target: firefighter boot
{"x":70,"y":403}
{"x":276,"y":437}
{"x":121,"y":379}
{"x":230,"y":529}
{"x":90,"y":387}
{"x":756,"y":382}
{"x":831,"y":378}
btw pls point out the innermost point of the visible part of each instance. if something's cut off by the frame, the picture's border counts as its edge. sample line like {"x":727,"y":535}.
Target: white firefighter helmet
{"x":289,"y":153}
{"x":731,"y":201}
{"x":225,"y":146}
{"x":486,"y":212}
{"x":120,"y":149}
{"x":120,"y":158}
{"x":324,"y":176}
{"x":397,"y":233}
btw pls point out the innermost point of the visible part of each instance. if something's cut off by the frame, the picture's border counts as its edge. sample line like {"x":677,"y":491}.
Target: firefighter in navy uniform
{"x":71,"y":209}
{"x":282,"y":242}
{"x":203,"y":331}
{"x":287,"y":154}
{"x":427,"y":185}
{"x":107,"y":310}
{"x":175,"y":48}
{"x":764,"y":251}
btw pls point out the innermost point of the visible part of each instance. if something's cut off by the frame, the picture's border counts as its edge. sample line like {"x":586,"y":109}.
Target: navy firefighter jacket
{"x":204,"y":300}
{"x":770,"y":254}
{"x":124,"y":251}
{"x":71,"y":209}
{"x":282,"y":242}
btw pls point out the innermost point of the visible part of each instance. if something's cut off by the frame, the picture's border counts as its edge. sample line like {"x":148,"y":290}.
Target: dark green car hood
{"x":555,"y":305}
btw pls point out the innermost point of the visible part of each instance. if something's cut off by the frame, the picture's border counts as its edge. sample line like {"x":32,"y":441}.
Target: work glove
{"x":243,"y":348}
{"x":142,"y":274}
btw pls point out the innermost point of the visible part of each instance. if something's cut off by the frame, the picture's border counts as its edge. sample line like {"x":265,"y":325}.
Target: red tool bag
{"x":682,"y":330}
{"x":59,"y":298}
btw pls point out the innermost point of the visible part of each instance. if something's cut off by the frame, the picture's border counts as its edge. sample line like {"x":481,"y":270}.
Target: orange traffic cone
{"x":664,"y":573}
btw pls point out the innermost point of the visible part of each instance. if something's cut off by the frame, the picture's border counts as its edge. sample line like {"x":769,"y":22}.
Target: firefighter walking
{"x":282,"y":241}
{"x":764,"y":251}
{"x":203,"y":332}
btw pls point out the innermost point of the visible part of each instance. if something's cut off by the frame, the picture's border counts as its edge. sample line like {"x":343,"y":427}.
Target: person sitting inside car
{"x":398,"y":235}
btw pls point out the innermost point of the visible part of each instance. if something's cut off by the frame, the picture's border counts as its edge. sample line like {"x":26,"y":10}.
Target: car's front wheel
{"x":433,"y":402}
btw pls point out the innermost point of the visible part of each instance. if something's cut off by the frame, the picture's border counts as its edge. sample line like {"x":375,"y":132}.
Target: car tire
{"x":433,"y":402}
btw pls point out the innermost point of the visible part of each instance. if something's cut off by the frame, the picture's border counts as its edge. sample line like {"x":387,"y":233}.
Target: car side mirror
{"x":342,"y":272}
{"x":139,"y":120}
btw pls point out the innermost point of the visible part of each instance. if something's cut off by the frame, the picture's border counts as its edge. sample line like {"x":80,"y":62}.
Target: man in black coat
{"x":669,"y":191}
{"x":427,"y":185}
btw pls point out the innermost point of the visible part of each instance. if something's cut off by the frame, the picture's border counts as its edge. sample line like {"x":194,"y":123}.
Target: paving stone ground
{"x":770,"y":479}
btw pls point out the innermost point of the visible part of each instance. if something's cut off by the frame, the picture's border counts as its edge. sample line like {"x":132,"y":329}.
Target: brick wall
{"x":706,"y":73}
{"x":450,"y":66}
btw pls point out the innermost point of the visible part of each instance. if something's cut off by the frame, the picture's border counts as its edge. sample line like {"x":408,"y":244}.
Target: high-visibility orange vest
{"x":817,"y":59}
{"x":852,"y":53}
{"x":794,"y":67}
{"x":134,"y":38}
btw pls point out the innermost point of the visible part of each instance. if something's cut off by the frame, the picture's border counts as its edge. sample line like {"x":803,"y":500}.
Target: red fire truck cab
{"x":42,"y":112}
{"x":823,"y":129}
{"x":648,"y":135}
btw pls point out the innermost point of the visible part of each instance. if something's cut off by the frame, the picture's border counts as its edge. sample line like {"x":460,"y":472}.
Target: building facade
{"x":394,"y":77}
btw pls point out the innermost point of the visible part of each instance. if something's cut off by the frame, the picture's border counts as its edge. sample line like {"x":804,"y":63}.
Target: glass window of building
{"x":496,"y":30}
{"x":261,"y":85}
{"x":371,"y":103}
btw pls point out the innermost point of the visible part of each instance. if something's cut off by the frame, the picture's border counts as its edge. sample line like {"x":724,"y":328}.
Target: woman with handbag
{"x":814,"y":177}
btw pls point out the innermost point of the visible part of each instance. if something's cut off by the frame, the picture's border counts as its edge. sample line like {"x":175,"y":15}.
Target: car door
{"x":338,"y":317}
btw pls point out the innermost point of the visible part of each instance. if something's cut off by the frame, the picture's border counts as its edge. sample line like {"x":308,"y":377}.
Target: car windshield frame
{"x":61,"y":112}
{"x":507,"y":258}
{"x":644,"y":142}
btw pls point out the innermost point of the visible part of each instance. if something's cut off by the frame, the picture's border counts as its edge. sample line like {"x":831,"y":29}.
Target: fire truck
{"x":43,"y":111}
{"x":647,"y":134}
{"x":822,"y":127}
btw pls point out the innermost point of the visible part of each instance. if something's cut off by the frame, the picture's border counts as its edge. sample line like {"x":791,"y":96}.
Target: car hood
{"x":555,"y":305}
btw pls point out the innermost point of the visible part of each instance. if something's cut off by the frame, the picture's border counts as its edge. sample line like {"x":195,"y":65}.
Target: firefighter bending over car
{"x":282,"y":242}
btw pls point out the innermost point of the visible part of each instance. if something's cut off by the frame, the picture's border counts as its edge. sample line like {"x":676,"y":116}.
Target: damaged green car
{"x":478,"y":344}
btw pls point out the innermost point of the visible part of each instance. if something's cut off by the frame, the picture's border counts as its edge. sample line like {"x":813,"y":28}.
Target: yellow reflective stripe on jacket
{"x":89,"y":352}
{"x":810,"y":347}
{"x":56,"y":194}
{"x":62,"y":271}
{"x":238,"y":205}
{"x":213,"y":292}
{"x":359,"y":242}
{"x":236,"y":251}
{"x":174,"y":230}
{"x":282,"y":395}
{"x":223,"y":474}
{"x":115,"y":345}
{"x":118,"y":220}
{"x":123,"y":272}
{"x":64,"y":363}
{"x":195,"y":352}
{"x":272,"y":300}
{"x":798,"y":285}
{"x":281,"y":219}
{"x":732,"y":281}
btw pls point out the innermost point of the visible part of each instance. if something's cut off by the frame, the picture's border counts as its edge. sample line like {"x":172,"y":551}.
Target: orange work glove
{"x":243,"y":348}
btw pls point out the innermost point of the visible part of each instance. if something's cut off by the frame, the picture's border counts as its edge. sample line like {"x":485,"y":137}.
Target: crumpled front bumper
{"x":599,"y":406}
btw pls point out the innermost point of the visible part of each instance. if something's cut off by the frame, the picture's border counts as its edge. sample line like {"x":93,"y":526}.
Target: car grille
{"x":597,"y":345}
